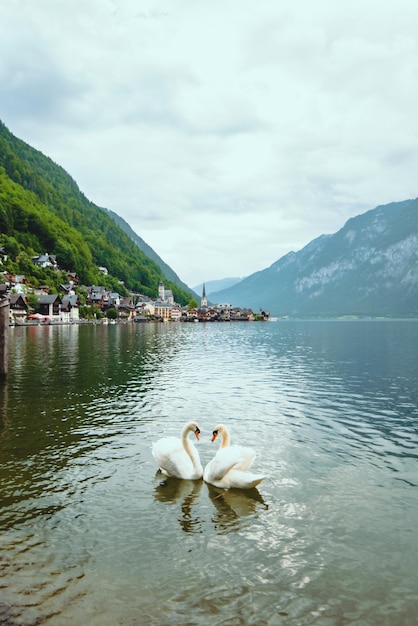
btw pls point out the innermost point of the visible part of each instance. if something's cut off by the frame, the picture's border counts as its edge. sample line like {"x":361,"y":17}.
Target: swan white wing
{"x":244,"y":457}
{"x":165,"y":446}
{"x":173,"y":460}
{"x":226,"y":459}
{"x":236,"y":479}
{"x":241,"y":480}
{"x":168,"y":453}
{"x":229,"y":468}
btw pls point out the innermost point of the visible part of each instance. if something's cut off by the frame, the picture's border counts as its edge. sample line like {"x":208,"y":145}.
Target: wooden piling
{"x":4,"y":336}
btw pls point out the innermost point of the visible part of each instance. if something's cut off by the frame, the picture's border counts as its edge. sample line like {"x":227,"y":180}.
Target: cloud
{"x":225,"y":133}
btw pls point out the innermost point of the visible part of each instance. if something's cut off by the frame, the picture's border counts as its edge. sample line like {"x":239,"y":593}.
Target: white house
{"x":69,"y":308}
{"x":163,"y":310}
{"x":45,"y":260}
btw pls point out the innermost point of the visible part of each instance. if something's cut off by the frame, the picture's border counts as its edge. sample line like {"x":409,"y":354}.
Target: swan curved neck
{"x":188,"y":447}
{"x":225,"y":437}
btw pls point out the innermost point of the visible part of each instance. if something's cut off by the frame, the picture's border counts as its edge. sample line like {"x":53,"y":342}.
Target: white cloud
{"x":225,"y":133}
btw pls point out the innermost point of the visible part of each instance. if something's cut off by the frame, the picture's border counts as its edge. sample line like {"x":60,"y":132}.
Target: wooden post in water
{"x":4,"y":337}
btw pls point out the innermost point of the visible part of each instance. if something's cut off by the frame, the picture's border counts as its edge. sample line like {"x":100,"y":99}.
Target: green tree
{"x":42,"y":208}
{"x":33,"y":302}
{"x":11,"y":246}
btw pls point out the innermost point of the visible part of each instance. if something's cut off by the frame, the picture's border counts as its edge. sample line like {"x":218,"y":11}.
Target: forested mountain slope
{"x":43,"y":210}
{"x":150,"y":253}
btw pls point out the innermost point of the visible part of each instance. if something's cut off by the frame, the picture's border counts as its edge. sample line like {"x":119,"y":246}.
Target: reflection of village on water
{"x":232,"y":506}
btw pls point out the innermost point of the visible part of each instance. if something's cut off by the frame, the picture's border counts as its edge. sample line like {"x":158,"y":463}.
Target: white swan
{"x":179,"y":457}
{"x":229,"y":467}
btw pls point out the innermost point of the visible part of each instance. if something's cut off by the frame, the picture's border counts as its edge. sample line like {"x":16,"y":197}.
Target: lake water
{"x":92,"y":534}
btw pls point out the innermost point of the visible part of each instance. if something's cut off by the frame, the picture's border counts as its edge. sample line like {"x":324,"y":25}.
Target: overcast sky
{"x":225,"y":132}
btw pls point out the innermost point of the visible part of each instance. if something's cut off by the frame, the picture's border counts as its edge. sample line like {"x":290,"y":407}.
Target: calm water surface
{"x":91,"y":534}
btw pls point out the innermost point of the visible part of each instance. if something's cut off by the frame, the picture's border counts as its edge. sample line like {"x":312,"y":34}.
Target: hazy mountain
{"x":369,"y":267}
{"x":216,"y":285}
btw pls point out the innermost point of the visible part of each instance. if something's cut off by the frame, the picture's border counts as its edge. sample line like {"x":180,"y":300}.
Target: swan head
{"x":192,"y":427}
{"x":220,"y":430}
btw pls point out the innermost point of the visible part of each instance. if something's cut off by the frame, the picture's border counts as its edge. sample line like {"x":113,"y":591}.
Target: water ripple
{"x":92,"y":533}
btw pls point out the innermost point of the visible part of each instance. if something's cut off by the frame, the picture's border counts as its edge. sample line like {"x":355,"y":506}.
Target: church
{"x":165,"y":295}
{"x":204,"y":300}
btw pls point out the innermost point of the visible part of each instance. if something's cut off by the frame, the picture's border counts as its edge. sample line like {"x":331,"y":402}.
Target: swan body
{"x":229,"y":467}
{"x":179,"y":457}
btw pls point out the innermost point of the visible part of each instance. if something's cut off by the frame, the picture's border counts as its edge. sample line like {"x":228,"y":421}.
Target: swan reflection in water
{"x":234,"y":507}
{"x":172,"y":490}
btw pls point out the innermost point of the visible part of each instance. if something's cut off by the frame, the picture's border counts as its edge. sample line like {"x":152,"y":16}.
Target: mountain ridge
{"x":368,"y":267}
{"x":43,"y":210}
{"x":212,"y":286}
{"x":150,"y":253}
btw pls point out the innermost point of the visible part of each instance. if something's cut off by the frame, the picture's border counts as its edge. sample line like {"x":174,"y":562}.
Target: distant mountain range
{"x":368,"y":268}
{"x":216,"y":285}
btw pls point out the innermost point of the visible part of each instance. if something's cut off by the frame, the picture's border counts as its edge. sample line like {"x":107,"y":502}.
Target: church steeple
{"x":204,"y":301}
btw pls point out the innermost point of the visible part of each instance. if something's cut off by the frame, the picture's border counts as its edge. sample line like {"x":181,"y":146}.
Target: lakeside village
{"x":110,"y":307}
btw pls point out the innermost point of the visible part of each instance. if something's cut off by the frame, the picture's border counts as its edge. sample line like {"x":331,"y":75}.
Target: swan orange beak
{"x":214,"y":435}
{"x":197,"y":434}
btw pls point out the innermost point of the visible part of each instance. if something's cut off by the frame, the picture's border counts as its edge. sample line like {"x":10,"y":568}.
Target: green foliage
{"x":33,"y":302}
{"x":192,"y":304}
{"x":112,"y":314}
{"x":90,"y":312}
{"x":42,"y":210}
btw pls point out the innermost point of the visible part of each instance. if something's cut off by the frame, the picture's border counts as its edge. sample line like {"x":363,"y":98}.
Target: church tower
{"x":161,"y":290}
{"x":204,"y":301}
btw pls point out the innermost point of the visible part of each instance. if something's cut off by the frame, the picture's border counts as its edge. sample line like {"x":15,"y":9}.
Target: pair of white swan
{"x":228,"y":468}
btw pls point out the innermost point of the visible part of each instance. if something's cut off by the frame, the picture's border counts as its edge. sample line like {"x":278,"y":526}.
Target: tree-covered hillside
{"x":149,"y":252}
{"x":42,"y":210}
